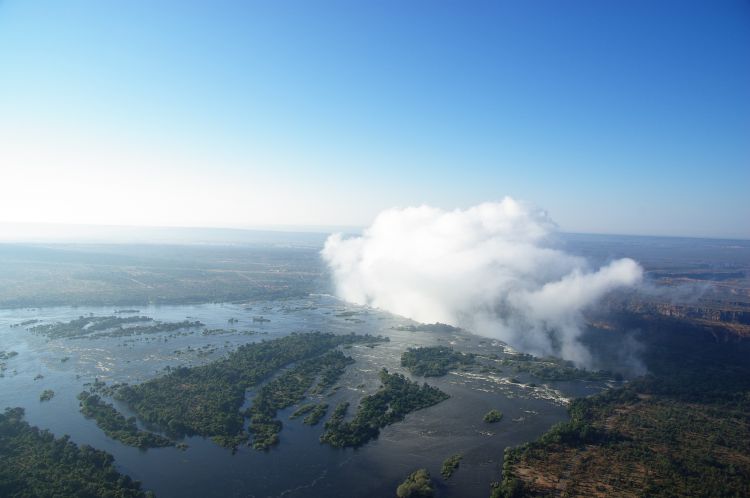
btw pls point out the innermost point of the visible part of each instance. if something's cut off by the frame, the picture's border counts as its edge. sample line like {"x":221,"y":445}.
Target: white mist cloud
{"x":491,"y":269}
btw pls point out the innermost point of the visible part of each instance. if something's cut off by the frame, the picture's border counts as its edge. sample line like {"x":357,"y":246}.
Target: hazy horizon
{"x":124,"y":234}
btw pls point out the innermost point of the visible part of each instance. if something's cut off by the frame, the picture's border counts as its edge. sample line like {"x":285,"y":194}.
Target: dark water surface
{"x":299,"y":466}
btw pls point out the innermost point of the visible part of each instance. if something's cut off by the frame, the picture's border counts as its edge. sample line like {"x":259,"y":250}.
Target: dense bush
{"x":396,"y":397}
{"x":417,"y":485}
{"x":116,"y":426}
{"x":450,"y":465}
{"x":681,"y":430}
{"x":434,"y":361}
{"x":206,"y":400}
{"x":287,"y":389}
{"x":35,"y":463}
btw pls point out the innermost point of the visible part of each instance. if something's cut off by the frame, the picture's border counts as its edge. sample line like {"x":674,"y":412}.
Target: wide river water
{"x":299,"y":466}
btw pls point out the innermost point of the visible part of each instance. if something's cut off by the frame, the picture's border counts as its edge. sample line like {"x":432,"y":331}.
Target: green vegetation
{"x":396,"y":397}
{"x":680,"y":431}
{"x":417,"y":485}
{"x":316,"y":415}
{"x":116,"y":426}
{"x":302,"y":410}
{"x":206,"y":400}
{"x":450,"y":465}
{"x":493,"y":416}
{"x":287,"y":389}
{"x":4,"y":357}
{"x":549,"y":368}
{"x":100,"y":387}
{"x":428,"y":327}
{"x":345,"y":314}
{"x":337,"y":417}
{"x":47,"y":395}
{"x":84,"y":325}
{"x":35,"y":463}
{"x":628,"y":443}
{"x":208,"y":332}
{"x":434,"y":361}
{"x":95,"y":327}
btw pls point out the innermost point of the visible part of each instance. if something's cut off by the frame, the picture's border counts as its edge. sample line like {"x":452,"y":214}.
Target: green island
{"x":102,"y":388}
{"x":450,"y":465}
{"x":337,"y":417}
{"x":96,"y":327}
{"x":4,"y":357}
{"x":303,"y":409}
{"x":316,"y":415}
{"x":396,"y":397}
{"x":493,"y":416}
{"x":547,"y":368}
{"x":287,"y":389}
{"x":428,"y":327}
{"x":417,"y":485}
{"x":47,"y":395}
{"x":313,"y":412}
{"x":35,"y":463}
{"x":682,"y":430}
{"x":116,"y":426}
{"x":206,"y":400}
{"x":207,"y":332}
{"x":434,"y":361}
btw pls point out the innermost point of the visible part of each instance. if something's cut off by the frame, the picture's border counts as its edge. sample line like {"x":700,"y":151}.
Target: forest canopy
{"x":35,"y":463}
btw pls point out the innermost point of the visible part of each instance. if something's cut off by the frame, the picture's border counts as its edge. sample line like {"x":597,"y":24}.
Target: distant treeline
{"x":133,"y":275}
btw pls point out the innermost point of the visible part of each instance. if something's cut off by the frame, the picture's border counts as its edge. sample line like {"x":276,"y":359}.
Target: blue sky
{"x":616,"y":117}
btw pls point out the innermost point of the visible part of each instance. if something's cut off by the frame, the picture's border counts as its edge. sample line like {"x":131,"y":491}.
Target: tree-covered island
{"x":450,"y":465}
{"x":417,"y":485}
{"x":287,"y":389}
{"x":97,"y":327}
{"x":116,"y":426}
{"x":434,"y":361}
{"x":313,"y":412}
{"x":35,"y":463}
{"x":493,"y":416}
{"x":396,"y":397}
{"x":206,"y":400}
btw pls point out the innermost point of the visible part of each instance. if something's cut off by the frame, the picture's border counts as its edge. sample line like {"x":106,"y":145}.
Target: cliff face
{"x":723,"y":319}
{"x":719,"y":297}
{"x":696,"y":312}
